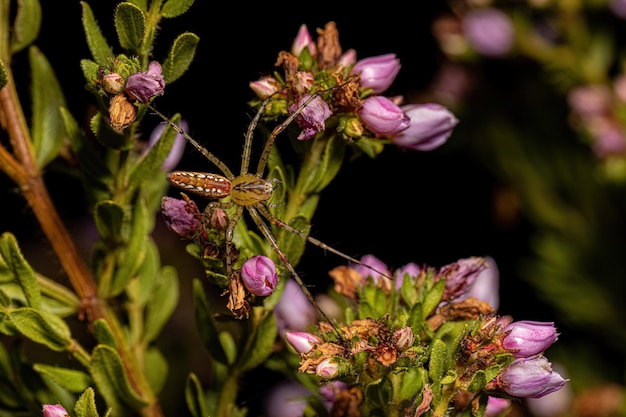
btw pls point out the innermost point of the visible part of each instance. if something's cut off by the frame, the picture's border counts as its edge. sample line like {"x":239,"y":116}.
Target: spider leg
{"x":207,"y":154}
{"x":266,"y":213}
{"x":283,"y":258}
{"x":278,"y":130}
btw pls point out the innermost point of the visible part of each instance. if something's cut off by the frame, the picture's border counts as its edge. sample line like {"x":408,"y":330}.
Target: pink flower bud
{"x":372,"y":267}
{"x":181,"y":216}
{"x":303,"y":40}
{"x":49,"y":410}
{"x":265,"y":87}
{"x":259,"y":275}
{"x":489,"y":31}
{"x":113,"y":83}
{"x":460,"y":276}
{"x":527,"y":338}
{"x":377,"y":72}
{"x":486,"y":285}
{"x":403,"y":338}
{"x":143,"y":86}
{"x":495,"y":406}
{"x":327,"y":369}
{"x":347,"y":58}
{"x":294,"y":311}
{"x":302,"y":342}
{"x":531,"y":377}
{"x":312,"y":118}
{"x":410,"y":269}
{"x":383,"y":117}
{"x":430,"y":126}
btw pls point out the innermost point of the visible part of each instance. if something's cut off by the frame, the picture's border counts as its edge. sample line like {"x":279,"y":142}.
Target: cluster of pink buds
{"x":122,"y":83}
{"x":422,"y":327}
{"x":343,"y":96}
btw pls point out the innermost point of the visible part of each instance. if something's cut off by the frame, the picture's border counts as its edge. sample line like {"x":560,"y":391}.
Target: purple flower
{"x":460,"y":276}
{"x":618,"y":7}
{"x":371,"y":267}
{"x":377,"y":72}
{"x":430,"y":126}
{"x":181,"y":216}
{"x":259,"y":275}
{"x":590,"y":100}
{"x":489,"y":31}
{"x":302,"y":342}
{"x":530,"y":377}
{"x":286,"y":399}
{"x":528,"y":338}
{"x":176,"y":153}
{"x":332,"y":391}
{"x":485,"y":286}
{"x":303,"y":40}
{"x":143,"y":86}
{"x":312,"y":118}
{"x":49,"y":410}
{"x":411,"y":269}
{"x":383,"y":117}
{"x":294,"y":311}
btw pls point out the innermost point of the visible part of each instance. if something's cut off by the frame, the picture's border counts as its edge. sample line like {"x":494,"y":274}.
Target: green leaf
{"x":141,"y":289}
{"x":292,"y":244}
{"x":42,"y":327}
{"x":263,"y":342}
{"x":162,"y":305}
{"x":48,"y":130}
{"x":103,"y":333}
{"x":96,"y":176}
{"x":98,"y":46}
{"x":107,"y":369}
{"x":156,"y":369}
{"x":142,"y":4}
{"x":180,"y":56}
{"x":194,"y":397}
{"x":327,"y":168}
{"x":130,"y":25}
{"x":27,"y":24}
{"x":412,"y":381}
{"x":71,"y":379}
{"x":132,"y":256}
{"x":174,"y":8}
{"x":109,"y":219}
{"x":433,"y":297}
{"x":22,"y":272}
{"x":478,"y":382}
{"x":108,"y":136}
{"x":205,"y":324}
{"x":86,"y":404}
{"x":436,"y":369}
{"x":149,"y":167}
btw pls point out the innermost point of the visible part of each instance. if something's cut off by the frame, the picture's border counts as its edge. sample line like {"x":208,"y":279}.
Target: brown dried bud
{"x":121,"y":111}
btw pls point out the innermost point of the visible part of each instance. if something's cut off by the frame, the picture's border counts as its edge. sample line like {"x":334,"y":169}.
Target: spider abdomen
{"x":201,"y":183}
{"x":248,"y":189}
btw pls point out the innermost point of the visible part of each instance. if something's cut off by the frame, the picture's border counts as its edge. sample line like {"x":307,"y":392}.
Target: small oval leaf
{"x":180,"y":56}
{"x":130,"y":25}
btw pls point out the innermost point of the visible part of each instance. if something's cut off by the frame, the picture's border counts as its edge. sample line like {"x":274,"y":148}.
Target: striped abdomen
{"x":201,"y":183}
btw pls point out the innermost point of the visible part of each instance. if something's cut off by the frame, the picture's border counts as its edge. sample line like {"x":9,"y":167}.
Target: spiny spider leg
{"x":272,"y":219}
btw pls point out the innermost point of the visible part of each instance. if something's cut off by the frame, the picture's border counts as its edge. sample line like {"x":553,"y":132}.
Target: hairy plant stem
{"x":22,"y":169}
